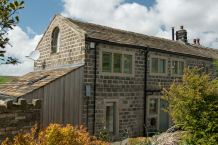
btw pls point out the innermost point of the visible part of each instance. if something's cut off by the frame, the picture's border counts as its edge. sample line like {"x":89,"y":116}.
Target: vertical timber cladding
{"x":62,"y":99}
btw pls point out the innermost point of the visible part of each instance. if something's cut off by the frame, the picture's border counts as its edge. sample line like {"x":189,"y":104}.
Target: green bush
{"x":194,"y":103}
{"x":56,"y":134}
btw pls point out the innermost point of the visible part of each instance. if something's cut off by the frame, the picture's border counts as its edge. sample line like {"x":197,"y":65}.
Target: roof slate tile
{"x":126,"y":37}
{"x":20,"y":87}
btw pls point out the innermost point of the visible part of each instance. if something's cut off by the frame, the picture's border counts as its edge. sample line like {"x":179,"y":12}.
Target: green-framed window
{"x":205,"y":69}
{"x":162,"y":63}
{"x":106,"y":62}
{"x":154,"y":65}
{"x":181,"y":67}
{"x":175,"y":67}
{"x":153,"y":106}
{"x":158,"y":65}
{"x":117,"y":62}
{"x":127,"y":64}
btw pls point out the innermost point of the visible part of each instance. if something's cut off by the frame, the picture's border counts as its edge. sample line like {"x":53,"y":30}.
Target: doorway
{"x":164,"y":117}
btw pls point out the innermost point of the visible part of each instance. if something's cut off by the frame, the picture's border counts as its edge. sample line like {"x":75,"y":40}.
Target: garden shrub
{"x":139,"y":140}
{"x":56,"y":134}
{"x":194,"y":103}
{"x":103,"y":133}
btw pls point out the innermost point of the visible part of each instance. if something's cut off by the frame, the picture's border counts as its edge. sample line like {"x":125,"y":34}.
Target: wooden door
{"x":164,"y":119}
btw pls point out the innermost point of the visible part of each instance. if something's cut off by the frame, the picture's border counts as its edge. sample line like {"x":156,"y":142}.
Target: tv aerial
{"x":34,"y":55}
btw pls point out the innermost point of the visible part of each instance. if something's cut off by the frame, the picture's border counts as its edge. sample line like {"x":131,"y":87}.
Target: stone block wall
{"x":129,"y":90}
{"x":72,"y":46}
{"x":17,"y":116}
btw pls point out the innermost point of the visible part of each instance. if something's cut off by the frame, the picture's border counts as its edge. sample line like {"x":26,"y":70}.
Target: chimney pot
{"x":181,"y":35}
{"x":198,"y":41}
{"x":194,"y":41}
{"x":172,"y":33}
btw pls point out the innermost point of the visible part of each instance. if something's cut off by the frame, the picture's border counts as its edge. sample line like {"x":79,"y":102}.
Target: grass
{"x":5,"y":79}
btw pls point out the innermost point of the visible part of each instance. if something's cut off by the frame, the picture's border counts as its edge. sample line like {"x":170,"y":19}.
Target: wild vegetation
{"x":55,"y":134}
{"x":194,"y":104}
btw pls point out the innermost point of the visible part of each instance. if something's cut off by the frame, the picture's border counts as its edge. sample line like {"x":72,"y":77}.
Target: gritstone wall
{"x":17,"y":116}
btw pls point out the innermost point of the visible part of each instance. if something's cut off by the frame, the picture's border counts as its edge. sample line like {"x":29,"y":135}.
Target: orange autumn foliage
{"x":56,"y":134}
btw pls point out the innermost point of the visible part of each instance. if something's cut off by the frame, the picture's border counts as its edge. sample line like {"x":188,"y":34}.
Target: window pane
{"x":127,"y":63}
{"x":175,"y":67}
{"x":153,"y":106}
{"x":106,"y":62}
{"x":207,"y":71}
{"x":181,"y":67}
{"x":203,"y":70}
{"x":162,"y":66}
{"x":110,"y":117}
{"x":154,"y":65}
{"x":55,"y":40}
{"x":117,"y":63}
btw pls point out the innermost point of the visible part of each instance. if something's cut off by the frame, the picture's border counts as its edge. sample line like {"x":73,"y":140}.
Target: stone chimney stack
{"x":198,"y":41}
{"x":194,"y":41}
{"x":181,"y":34}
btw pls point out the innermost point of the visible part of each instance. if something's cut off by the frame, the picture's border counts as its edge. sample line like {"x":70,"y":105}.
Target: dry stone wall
{"x":17,"y":116}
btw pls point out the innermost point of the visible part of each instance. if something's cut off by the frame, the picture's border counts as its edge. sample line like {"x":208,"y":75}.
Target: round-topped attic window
{"x":55,"y":43}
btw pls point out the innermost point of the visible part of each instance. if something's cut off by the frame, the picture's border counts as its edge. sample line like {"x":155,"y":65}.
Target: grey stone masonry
{"x":72,"y":46}
{"x":129,"y":90}
{"x":17,"y":116}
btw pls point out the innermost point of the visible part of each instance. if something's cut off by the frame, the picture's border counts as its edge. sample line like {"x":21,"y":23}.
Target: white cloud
{"x":197,"y":16}
{"x":30,"y":31}
{"x":22,"y":46}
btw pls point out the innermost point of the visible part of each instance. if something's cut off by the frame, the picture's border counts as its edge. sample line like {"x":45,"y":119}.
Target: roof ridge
{"x":121,"y":30}
{"x":120,"y":36}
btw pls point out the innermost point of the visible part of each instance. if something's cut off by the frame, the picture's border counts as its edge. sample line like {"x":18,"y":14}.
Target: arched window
{"x":55,"y":40}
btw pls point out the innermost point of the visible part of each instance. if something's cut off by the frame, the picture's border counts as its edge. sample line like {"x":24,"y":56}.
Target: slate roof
{"x":130,"y":38}
{"x":20,"y":86}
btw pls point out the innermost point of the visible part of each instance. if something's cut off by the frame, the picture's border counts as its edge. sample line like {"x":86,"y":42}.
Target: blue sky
{"x":149,"y":17}
{"x":38,"y":13}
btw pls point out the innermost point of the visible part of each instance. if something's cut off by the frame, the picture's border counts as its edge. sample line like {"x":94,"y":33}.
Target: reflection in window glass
{"x":117,"y":63}
{"x":55,"y":40}
{"x":154,"y":65}
{"x":162,"y":66}
{"x":106,"y":62}
{"x":153,"y":106}
{"x":110,"y":117}
{"x":127,"y":63}
{"x":175,"y":67}
{"x":181,"y":67}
